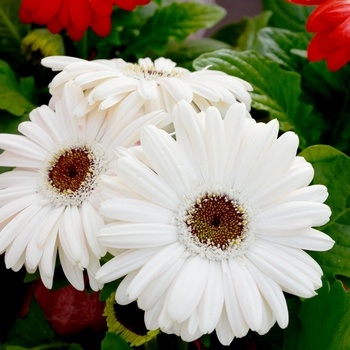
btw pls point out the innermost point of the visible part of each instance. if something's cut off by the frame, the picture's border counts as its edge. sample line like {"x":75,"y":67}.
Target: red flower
{"x":331,"y":23}
{"x":74,"y":15}
{"x":307,"y":2}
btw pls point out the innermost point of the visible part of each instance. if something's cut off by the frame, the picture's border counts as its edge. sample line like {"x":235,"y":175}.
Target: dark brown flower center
{"x":71,"y":169}
{"x":131,"y":317}
{"x":216,"y":221}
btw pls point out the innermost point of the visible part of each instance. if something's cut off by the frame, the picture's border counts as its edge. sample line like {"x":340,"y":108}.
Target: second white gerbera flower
{"x":214,"y":225}
{"x":50,"y":200}
{"x":147,"y":85}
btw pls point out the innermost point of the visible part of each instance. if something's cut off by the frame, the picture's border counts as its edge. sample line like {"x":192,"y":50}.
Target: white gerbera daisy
{"x":157,"y":85}
{"x":214,"y":225}
{"x":50,"y":200}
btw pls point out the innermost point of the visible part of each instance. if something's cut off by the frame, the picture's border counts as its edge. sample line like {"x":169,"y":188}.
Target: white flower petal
{"x":178,"y":89}
{"x":317,"y":213}
{"x":121,"y":296}
{"x":152,"y":315}
{"x":212,"y":301}
{"x":73,"y":272}
{"x":247,"y":293}
{"x":223,"y":329}
{"x":9,"y":233}
{"x":135,"y":211}
{"x":187,"y":289}
{"x":92,"y":222}
{"x":72,"y":237}
{"x":139,"y":235}
{"x":151,"y":270}
{"x":290,"y":278}
{"x":147,"y":89}
{"x":189,"y":135}
{"x":22,"y":239}
{"x":48,"y":259}
{"x":309,"y":239}
{"x":123,"y":264}
{"x":22,"y":146}
{"x":216,"y":150}
{"x":157,"y":288}
{"x":272,"y":294}
{"x":161,"y":149}
{"x":145,"y":182}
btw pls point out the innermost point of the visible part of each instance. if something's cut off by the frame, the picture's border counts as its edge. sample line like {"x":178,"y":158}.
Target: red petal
{"x":101,"y":24}
{"x":25,"y":17}
{"x":74,"y":33}
{"x":80,"y":13}
{"x":330,"y":14}
{"x":318,"y":47}
{"x":54,"y":26}
{"x":46,"y":11}
{"x":145,"y":2}
{"x":307,"y":2}
{"x":30,"y":5}
{"x":104,"y":7}
{"x":63,"y":15}
{"x":127,"y":5}
{"x":338,"y":58}
{"x":341,"y":35}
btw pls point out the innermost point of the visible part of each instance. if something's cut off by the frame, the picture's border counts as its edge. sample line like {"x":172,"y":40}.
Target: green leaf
{"x":176,"y":21}
{"x":325,"y":320}
{"x":11,"y":98}
{"x":184,"y":54}
{"x":25,"y":334}
{"x":276,"y":90}
{"x":291,"y":333}
{"x":287,"y":15}
{"x":277,"y":43}
{"x":108,"y":289}
{"x":243,"y":34}
{"x":114,"y":342}
{"x":10,"y":24}
{"x":332,"y":169}
{"x":75,"y":346}
{"x":329,"y":92}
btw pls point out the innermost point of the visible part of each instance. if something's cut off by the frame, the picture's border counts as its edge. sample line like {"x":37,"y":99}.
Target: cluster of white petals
{"x":43,"y":210}
{"x":207,"y":225}
{"x":146,"y":86}
{"x":190,"y":286}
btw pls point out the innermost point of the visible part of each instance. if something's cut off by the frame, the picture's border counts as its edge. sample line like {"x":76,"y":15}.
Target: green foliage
{"x":185,"y":18}
{"x":114,"y":342}
{"x":11,"y":97}
{"x":325,"y":320}
{"x":276,"y":90}
{"x":287,"y":15}
{"x":243,"y":34}
{"x":184,"y":54}
{"x":277,"y":44}
{"x":10,"y":25}
{"x":332,"y":169}
{"x":329,"y":92}
{"x":25,"y":334}
{"x":108,"y":289}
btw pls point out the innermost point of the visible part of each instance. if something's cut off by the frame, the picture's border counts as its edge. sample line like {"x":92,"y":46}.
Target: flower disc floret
{"x":70,"y":176}
{"x":214,"y":223}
